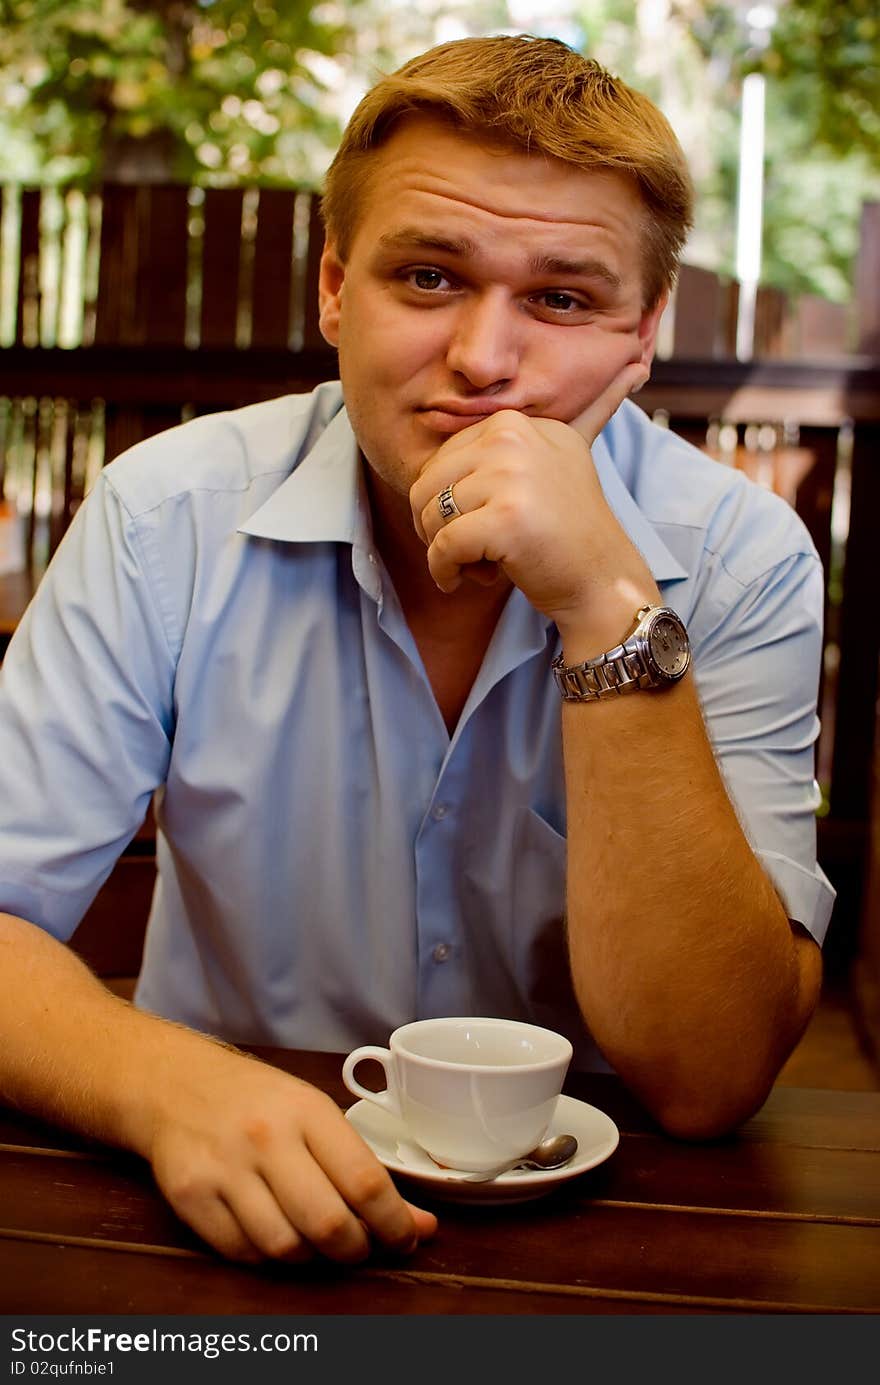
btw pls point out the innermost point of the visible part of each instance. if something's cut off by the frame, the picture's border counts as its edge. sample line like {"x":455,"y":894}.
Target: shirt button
{"x":442,"y":952}
{"x":440,"y":811}
{"x":372,"y":558}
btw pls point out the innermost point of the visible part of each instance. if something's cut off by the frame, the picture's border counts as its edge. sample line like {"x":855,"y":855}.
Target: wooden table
{"x":784,"y":1218}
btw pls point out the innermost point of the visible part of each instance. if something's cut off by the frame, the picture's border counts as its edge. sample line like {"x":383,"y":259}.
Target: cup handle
{"x":388,"y":1099}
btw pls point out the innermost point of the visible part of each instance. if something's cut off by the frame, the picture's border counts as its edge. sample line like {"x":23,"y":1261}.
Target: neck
{"x":452,"y":632}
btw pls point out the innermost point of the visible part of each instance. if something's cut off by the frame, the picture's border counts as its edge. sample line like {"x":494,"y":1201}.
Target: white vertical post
{"x":750,"y":211}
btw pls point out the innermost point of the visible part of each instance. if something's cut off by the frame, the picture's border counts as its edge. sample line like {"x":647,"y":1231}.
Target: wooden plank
{"x":125,"y":425}
{"x":273,"y":268}
{"x":691,"y":1257}
{"x":813,"y":500}
{"x":122,"y":429}
{"x":815,"y":488}
{"x":692,"y":430}
{"x":772,"y":335}
{"x":163,"y":265}
{"x":92,"y":267}
{"x":567,"y":1241}
{"x":779,"y":391}
{"x":81,"y":422}
{"x":821,"y":328}
{"x":859,"y":636}
{"x":5,"y":440}
{"x":730,"y":315}
{"x":770,"y":1181}
{"x":699,"y":319}
{"x":312,"y":339}
{"x":170,"y":376}
{"x":42,"y":1277}
{"x":867,"y":287}
{"x":817,"y":1119}
{"x":73,"y":477}
{"x":28,"y":474}
{"x":27,"y":320}
{"x":866,"y":970}
{"x":745,"y":1176}
{"x":221,"y":265}
{"x":16,"y":590}
{"x":144,"y":252}
{"x":104,"y":1199}
{"x":123,"y":217}
{"x":57,"y":424}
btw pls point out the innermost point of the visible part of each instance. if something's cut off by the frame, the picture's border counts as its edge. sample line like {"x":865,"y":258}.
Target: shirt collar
{"x":664,"y":566}
{"x":324,"y":499}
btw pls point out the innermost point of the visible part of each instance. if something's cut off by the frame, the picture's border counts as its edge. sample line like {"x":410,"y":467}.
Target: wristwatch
{"x":655,"y":654}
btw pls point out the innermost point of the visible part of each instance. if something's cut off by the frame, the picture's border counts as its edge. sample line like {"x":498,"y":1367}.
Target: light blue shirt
{"x":217,"y":626}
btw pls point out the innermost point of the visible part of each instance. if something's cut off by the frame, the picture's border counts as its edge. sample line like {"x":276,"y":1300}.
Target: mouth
{"x":454,"y":418}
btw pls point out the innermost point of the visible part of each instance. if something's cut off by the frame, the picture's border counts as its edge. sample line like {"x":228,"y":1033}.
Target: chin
{"x":392,"y":473}
{"x":400,"y":465}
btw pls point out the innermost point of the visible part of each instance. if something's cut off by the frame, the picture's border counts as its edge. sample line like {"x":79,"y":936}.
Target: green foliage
{"x":212,"y":91}
{"x":821,"y":60}
{"x":826,"y":56}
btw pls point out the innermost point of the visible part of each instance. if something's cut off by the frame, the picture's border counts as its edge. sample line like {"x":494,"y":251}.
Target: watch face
{"x":669,"y":647}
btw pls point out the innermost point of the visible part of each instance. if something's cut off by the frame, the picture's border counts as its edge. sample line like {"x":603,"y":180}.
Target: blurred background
{"x":159,"y":239}
{"x":774,"y":103}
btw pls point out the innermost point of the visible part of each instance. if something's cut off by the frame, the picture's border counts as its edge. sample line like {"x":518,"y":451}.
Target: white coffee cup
{"x":473,"y":1092}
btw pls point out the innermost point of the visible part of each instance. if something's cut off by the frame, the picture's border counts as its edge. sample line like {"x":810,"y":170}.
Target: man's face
{"x":480,"y":279}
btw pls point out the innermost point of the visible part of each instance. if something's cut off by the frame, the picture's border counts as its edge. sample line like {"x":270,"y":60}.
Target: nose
{"x":484,"y":345}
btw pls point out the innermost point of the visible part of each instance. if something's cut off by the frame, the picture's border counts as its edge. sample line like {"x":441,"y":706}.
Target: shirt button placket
{"x":437,"y":907}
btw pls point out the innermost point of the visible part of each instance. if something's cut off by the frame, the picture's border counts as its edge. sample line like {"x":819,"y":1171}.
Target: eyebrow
{"x":412,"y":238}
{"x":589,"y":268}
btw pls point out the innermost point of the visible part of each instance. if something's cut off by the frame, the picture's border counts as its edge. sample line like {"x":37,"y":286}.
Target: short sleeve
{"x":757,"y":669}
{"x":86,"y":718}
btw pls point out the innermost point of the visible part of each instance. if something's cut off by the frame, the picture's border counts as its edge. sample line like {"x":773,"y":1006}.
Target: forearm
{"x":74,"y":1053}
{"x":685,"y":965}
{"x":256,"y":1161}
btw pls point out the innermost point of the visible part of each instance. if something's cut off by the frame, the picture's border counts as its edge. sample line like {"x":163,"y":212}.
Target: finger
{"x":426,"y":1222}
{"x":265,"y":1224}
{"x":484,"y":573}
{"x":468,"y":493}
{"x":215,"y":1223}
{"x":453,"y":461}
{"x":446,"y":474}
{"x":314,"y":1206}
{"x":459,"y":545}
{"x":593,"y":419}
{"x":365,"y":1185}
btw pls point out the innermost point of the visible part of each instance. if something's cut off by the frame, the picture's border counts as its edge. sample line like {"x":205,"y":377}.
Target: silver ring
{"x":446,"y":505}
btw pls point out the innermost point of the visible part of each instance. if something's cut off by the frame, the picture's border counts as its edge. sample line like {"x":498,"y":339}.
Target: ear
{"x":648,"y":325}
{"x":331,"y":275}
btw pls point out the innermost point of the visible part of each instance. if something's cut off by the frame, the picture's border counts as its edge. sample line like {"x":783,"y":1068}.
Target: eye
{"x":426,"y":279}
{"x":558,"y":301}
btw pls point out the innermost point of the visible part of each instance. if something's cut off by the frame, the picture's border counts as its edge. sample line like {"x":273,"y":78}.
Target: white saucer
{"x":596,"y":1134}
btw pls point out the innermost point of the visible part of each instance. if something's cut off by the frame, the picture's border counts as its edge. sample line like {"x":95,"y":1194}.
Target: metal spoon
{"x":551,"y":1153}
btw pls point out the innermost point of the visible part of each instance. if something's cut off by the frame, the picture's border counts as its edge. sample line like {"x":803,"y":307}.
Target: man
{"x":332,"y":632}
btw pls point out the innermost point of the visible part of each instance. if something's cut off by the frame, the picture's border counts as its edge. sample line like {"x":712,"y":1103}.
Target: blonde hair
{"x":539,"y":96}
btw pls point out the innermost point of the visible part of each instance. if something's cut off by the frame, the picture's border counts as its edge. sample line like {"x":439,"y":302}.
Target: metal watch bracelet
{"x":618,"y":671}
